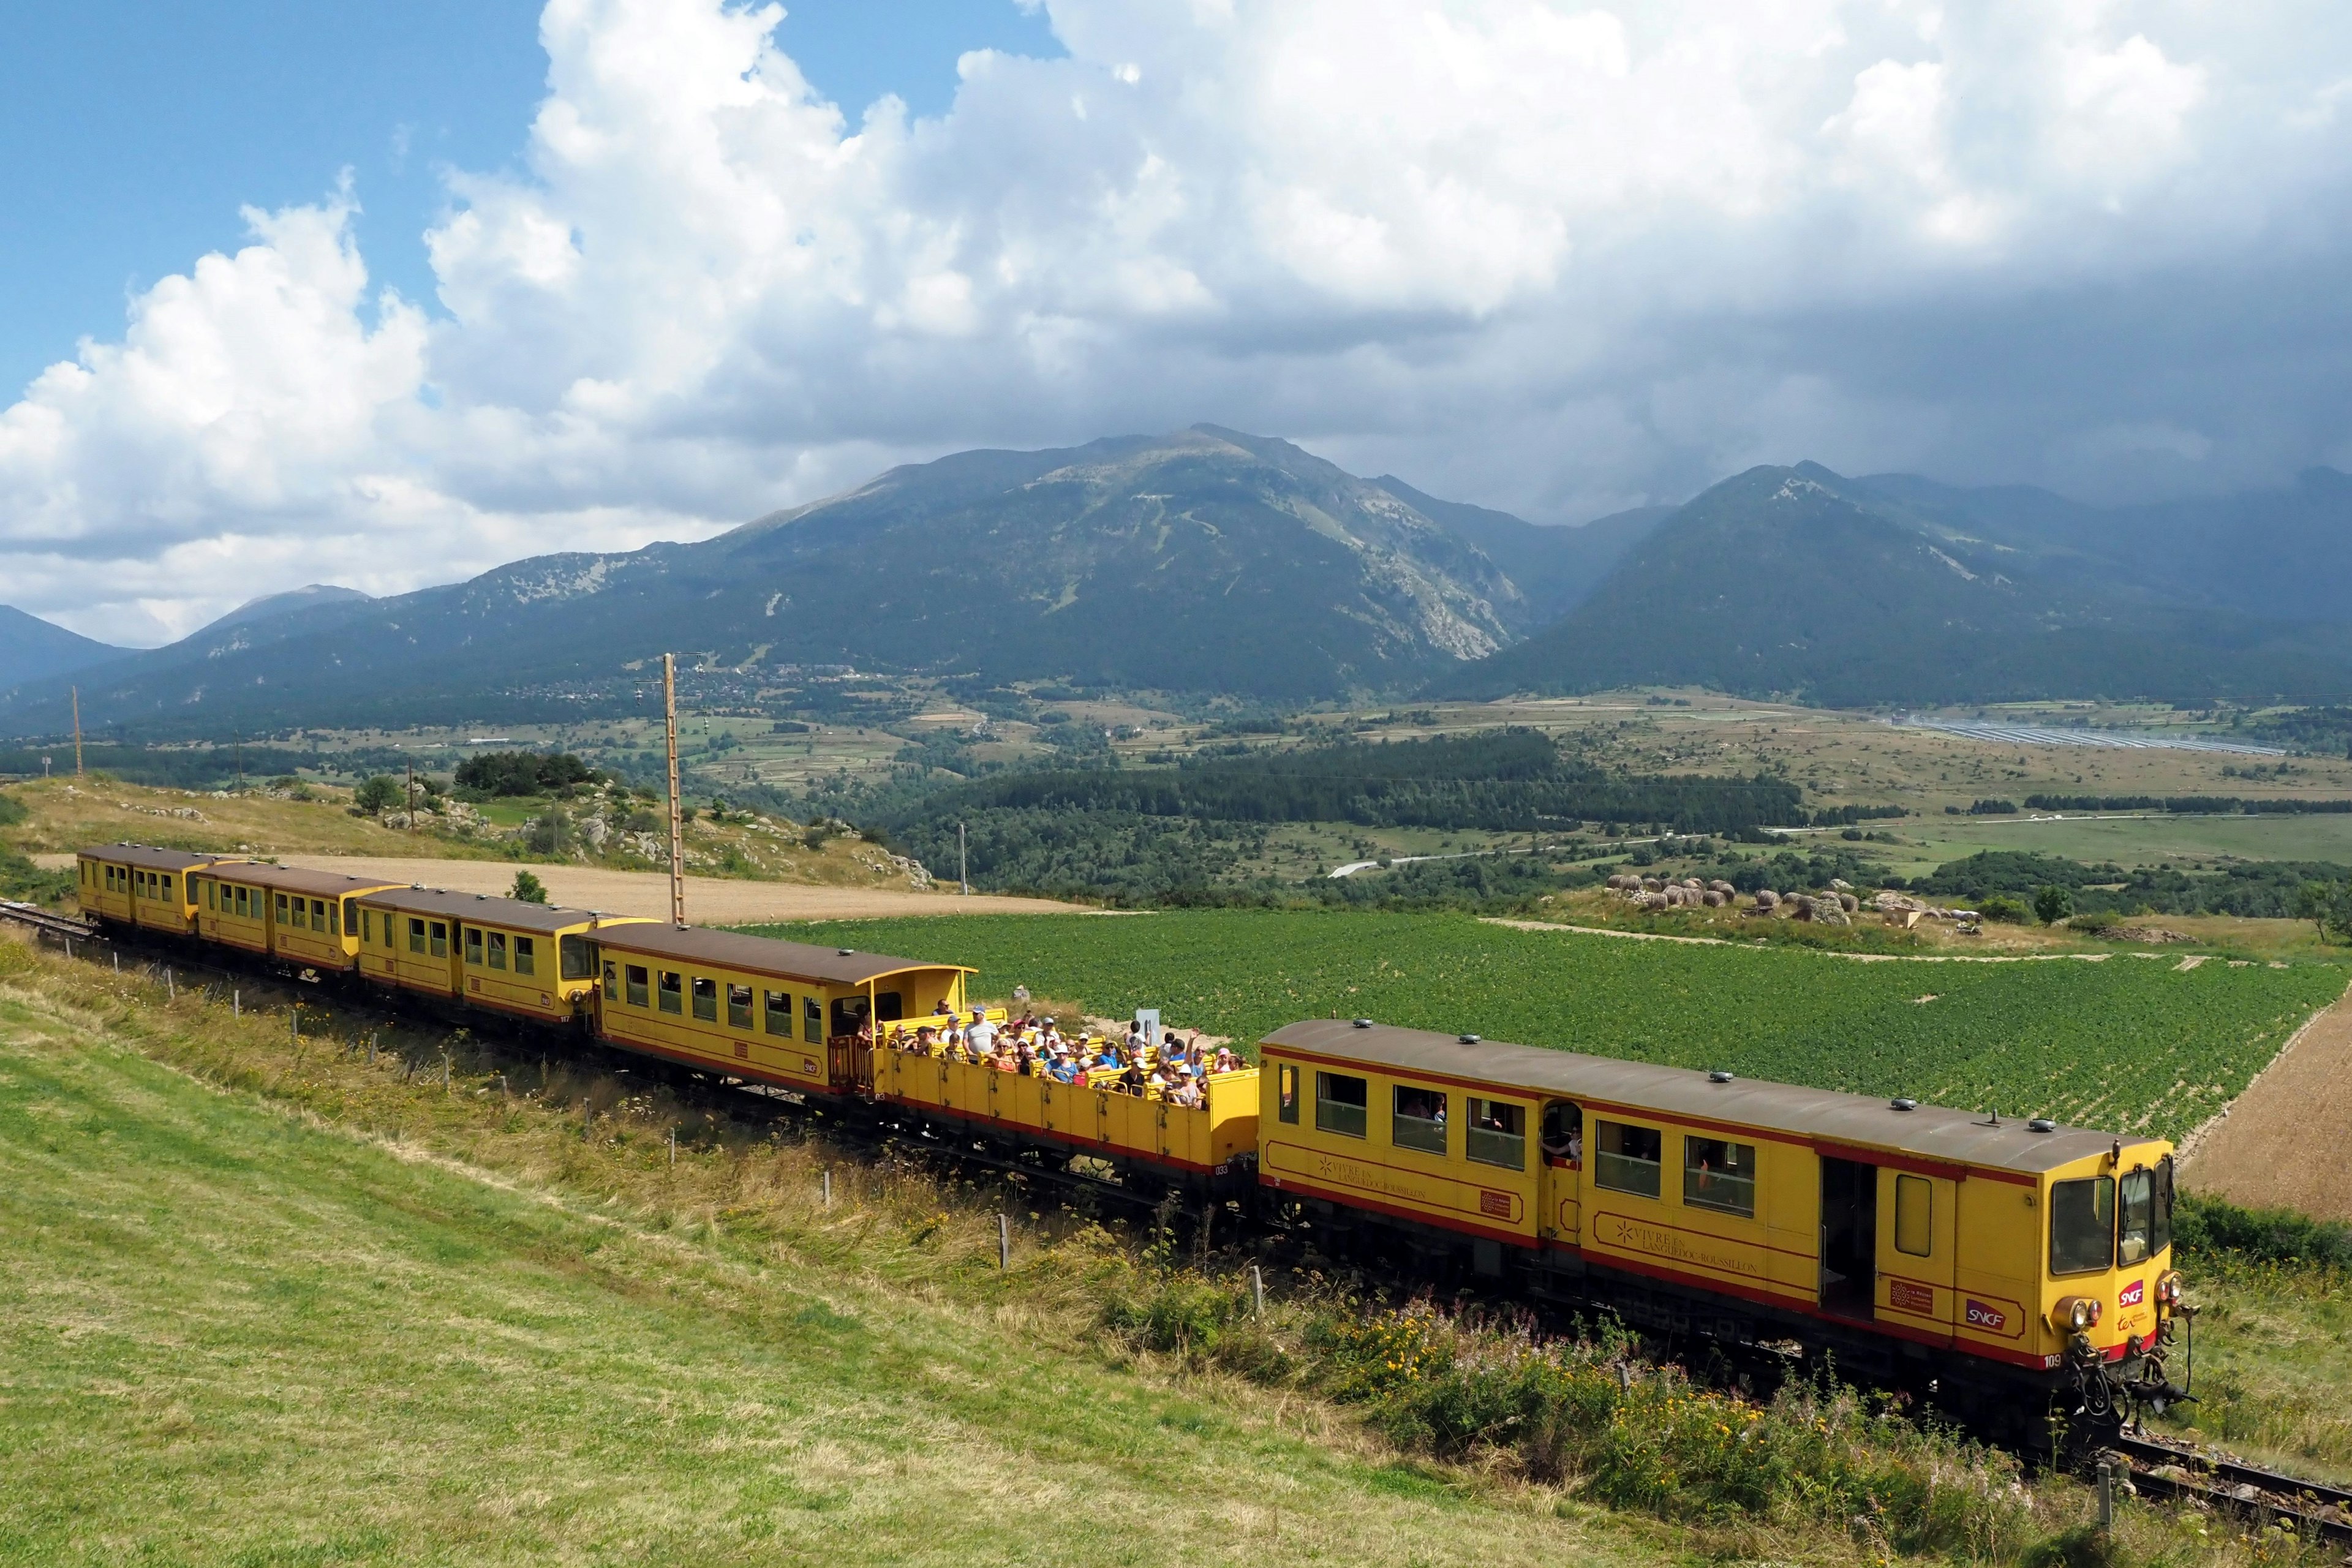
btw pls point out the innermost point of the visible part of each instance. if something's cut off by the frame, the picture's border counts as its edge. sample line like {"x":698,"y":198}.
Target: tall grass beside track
{"x":261,"y":1303}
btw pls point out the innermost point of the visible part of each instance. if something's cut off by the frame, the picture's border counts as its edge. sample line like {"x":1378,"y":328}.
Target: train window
{"x":1719,"y":1174}
{"x":526,"y":957}
{"x":282,"y":918}
{"x":2136,"y":1196}
{"x":1626,"y":1158}
{"x":167,"y":887}
{"x":636,"y":985}
{"x":416,"y":936}
{"x":209,"y":902}
{"x":474,"y":958}
{"x":738,"y":1006}
{"x":367,"y":926}
{"x":780,"y":1013}
{"x":2083,"y":1225}
{"x":890,"y":1006}
{"x":612,"y":981}
{"x":1915,"y":1215}
{"x":812,"y":1019}
{"x":705,"y":999}
{"x":494,"y":948}
{"x":1418,"y":1120}
{"x":1339,"y":1104}
{"x":335,"y":918}
{"x":1498,"y":1133}
{"x":319,"y":914}
{"x":437,"y":939}
{"x":1285,"y":1088}
{"x":671,"y":998}
{"x":575,"y":958}
{"x":1563,"y":1132}
{"x":2160,"y":1232}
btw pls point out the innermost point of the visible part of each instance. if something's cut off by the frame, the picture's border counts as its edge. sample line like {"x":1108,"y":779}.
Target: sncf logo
{"x":1983,"y":1317}
{"x":2132,"y":1294}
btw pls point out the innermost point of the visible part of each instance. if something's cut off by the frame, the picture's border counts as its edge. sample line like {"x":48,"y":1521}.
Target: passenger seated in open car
{"x":1188,"y":1093}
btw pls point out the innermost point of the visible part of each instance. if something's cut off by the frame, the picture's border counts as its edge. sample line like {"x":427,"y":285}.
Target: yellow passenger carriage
{"x":1746,"y":1210}
{"x":777,"y":1012}
{"x":305,"y":918}
{"x":527,"y":961}
{"x":147,"y":890}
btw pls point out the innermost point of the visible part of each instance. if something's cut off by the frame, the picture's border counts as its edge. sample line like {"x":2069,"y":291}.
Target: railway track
{"x":46,"y":920}
{"x":2162,"y":1468}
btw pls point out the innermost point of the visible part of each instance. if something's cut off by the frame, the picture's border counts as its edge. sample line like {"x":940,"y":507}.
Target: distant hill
{"x":1204,"y":561}
{"x":33,"y":649}
{"x":271,"y":606}
{"x":1799,"y":583}
{"x":1554,"y":567}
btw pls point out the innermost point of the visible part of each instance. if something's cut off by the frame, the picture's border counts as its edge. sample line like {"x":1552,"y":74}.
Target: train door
{"x":1849,"y":1237}
{"x":1562,"y":1142}
{"x":1917,"y":1215}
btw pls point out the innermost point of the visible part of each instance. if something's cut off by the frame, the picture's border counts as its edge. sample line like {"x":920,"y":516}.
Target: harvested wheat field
{"x":2272,"y":1147}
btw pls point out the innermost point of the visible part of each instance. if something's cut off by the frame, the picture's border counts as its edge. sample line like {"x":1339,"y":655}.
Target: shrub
{"x":2210,"y":1225}
{"x":2051,"y":904}
{"x":528,"y":889}
{"x":2002,"y":907}
{"x":379,"y":793}
{"x":12,"y":811}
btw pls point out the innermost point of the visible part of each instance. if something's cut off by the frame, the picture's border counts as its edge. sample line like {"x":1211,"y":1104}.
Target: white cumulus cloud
{"x":1549,"y":256}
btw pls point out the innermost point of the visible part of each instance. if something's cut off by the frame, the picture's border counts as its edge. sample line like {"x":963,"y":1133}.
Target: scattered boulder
{"x":1766,"y":899}
{"x":1849,"y":904}
{"x":1840,"y":885}
{"x":1713,"y":898}
{"x":1720,"y":887}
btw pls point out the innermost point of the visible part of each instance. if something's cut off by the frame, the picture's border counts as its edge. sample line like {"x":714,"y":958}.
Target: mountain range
{"x":1212,"y":560}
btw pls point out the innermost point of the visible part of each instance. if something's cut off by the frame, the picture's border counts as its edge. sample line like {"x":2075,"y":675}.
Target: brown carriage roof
{"x":1932,"y":1132}
{"x":484,"y":910}
{"x":149,"y":860}
{"x":763,"y":955}
{"x":293,"y":880}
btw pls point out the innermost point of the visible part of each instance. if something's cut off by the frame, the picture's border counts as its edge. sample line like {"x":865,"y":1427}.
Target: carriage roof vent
{"x":1363,"y":1023}
{"x":1903,"y":1102}
{"x":1466,"y":1040}
{"x":843,"y":951}
{"x":1718,"y":1075}
{"x":2042,"y":1124}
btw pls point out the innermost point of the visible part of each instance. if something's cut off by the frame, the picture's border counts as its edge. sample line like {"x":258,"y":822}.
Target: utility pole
{"x":963,"y":863}
{"x":77,"y":705}
{"x":676,"y":829}
{"x":411,"y":798}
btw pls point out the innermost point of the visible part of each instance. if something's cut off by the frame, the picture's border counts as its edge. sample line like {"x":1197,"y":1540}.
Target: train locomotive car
{"x":1980,"y":1257}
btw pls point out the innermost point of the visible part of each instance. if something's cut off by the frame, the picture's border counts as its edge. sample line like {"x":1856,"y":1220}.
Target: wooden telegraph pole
{"x":411,"y":798}
{"x":676,"y":831}
{"x":77,"y":705}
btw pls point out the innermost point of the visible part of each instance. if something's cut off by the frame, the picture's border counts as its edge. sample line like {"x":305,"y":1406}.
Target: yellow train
{"x":1974,"y":1257}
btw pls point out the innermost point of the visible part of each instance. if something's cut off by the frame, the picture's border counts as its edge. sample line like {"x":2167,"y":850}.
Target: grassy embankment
{"x":59,"y":816}
{"x":265,"y":1303}
{"x":2138,"y":1044}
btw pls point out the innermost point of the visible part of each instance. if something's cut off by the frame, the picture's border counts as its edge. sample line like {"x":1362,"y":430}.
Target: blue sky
{"x":131,"y":133}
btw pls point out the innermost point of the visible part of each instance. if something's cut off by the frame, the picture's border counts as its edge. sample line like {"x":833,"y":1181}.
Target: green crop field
{"x":2136,"y":1043}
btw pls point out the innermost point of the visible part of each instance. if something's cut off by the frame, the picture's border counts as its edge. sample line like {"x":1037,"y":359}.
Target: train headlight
{"x":2076,"y":1313}
{"x":2168,"y":1287}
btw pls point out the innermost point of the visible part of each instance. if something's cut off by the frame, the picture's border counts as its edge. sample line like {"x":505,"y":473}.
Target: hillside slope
{"x":1795,"y":581}
{"x":1555,"y":567}
{"x":33,"y":649}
